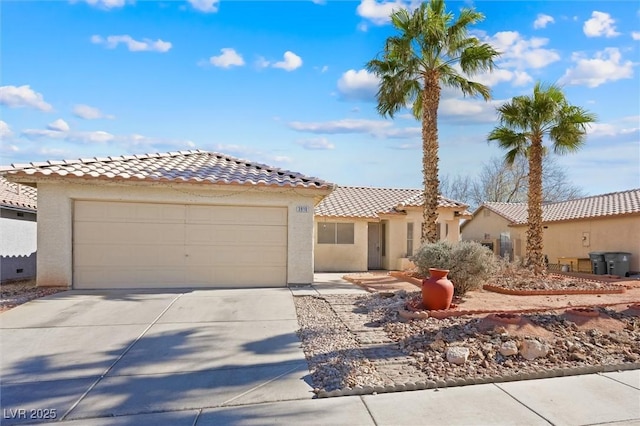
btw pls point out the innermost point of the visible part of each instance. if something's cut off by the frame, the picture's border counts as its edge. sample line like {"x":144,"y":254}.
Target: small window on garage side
{"x":335,"y":233}
{"x":344,"y":233}
{"x":409,"y":239}
{"x":326,"y":233}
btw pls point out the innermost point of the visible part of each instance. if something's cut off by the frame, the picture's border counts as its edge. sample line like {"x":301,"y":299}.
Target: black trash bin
{"x":598,"y":264}
{"x":618,"y":263}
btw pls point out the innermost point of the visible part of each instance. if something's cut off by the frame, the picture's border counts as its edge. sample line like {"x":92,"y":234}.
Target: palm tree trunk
{"x":430,"y":102}
{"x":535,"y":257}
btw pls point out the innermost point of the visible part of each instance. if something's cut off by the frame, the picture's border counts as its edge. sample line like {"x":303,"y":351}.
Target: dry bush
{"x":470,"y":264}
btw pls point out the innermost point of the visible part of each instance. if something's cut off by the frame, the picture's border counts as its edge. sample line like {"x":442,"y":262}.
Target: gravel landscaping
{"x":359,"y":344}
{"x":17,"y":293}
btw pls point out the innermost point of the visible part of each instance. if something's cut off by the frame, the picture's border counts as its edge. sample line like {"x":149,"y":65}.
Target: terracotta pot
{"x":437,"y":290}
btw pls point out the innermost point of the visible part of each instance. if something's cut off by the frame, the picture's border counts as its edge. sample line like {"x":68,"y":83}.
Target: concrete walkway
{"x":231,"y":357}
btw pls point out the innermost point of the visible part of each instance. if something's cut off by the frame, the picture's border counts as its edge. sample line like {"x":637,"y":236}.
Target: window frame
{"x":339,"y":233}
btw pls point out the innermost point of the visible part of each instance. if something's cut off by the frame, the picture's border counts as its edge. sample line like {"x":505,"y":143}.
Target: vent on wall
{"x":19,"y":271}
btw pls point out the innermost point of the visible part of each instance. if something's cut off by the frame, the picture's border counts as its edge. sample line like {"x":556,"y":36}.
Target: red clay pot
{"x":437,"y":290}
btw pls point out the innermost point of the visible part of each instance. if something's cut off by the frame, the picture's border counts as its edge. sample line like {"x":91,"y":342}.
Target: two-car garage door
{"x":143,"y":245}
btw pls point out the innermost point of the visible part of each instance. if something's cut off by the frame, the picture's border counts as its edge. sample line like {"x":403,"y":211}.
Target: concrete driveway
{"x":77,"y":355}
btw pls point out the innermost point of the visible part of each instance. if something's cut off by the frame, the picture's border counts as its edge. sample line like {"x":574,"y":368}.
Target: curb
{"x":513,"y":292}
{"x":442,"y":314}
{"x":430,"y":384}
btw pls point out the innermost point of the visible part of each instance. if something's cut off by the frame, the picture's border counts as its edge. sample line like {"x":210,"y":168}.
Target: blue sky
{"x":283,"y":83}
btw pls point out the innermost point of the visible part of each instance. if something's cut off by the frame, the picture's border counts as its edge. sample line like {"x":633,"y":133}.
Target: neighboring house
{"x":358,"y":229}
{"x":178,"y":219}
{"x":572,"y":229}
{"x":18,"y":230}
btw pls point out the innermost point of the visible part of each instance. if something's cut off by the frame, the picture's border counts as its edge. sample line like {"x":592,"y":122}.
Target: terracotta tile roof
{"x":613,"y":204}
{"x":349,"y":201}
{"x":185,"y":166}
{"x":17,"y":196}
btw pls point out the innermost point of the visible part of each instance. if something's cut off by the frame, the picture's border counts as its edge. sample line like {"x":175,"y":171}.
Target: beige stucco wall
{"x":354,"y":257}
{"x":565,"y":239}
{"x":55,"y":218}
{"x":342,"y":257}
{"x":481,"y":224}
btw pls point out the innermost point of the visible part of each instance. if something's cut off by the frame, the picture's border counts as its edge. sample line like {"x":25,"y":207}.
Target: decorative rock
{"x":532,"y":349}
{"x":437,"y":345}
{"x":509,"y":348}
{"x":457,"y":355}
{"x":578,"y":356}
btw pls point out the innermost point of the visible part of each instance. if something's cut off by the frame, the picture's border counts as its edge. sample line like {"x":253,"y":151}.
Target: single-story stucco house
{"x":177,"y":219}
{"x":358,"y":229}
{"x":18,"y":228}
{"x":572,"y":229}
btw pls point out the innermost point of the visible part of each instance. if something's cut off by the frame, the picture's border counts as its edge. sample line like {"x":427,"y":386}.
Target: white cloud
{"x":378,"y":12}
{"x":520,"y":53}
{"x":5,"y":147}
{"x":626,"y":126}
{"x":358,"y":85}
{"x":59,"y":129}
{"x":635,"y":35}
{"x":89,"y":113}
{"x":104,"y":4}
{"x":228,"y":58}
{"x":469,"y":111}
{"x":146,"y":45}
{"x":376,"y":128}
{"x":542,"y":20}
{"x":342,"y":126}
{"x":600,"y":24}
{"x":261,"y":62}
{"x":316,"y":144}
{"x":207,"y":6}
{"x":501,"y":75}
{"x":22,"y":96}
{"x":605,"y":66}
{"x":43,"y":133}
{"x":407,"y":146}
{"x":59,"y":126}
{"x":320,"y":2}
{"x":5,"y":130}
{"x":291,"y":62}
{"x":246,"y":152}
{"x":98,"y":136}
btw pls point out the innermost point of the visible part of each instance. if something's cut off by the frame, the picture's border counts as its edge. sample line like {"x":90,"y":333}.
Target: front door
{"x":374,"y":258}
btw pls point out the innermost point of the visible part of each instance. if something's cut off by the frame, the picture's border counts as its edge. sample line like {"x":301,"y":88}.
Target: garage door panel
{"x":129,"y":278}
{"x":158,"y":245}
{"x":228,"y":215}
{"x":100,"y":211}
{"x":132,"y":233}
{"x":115,"y":256}
{"x":216,"y":235}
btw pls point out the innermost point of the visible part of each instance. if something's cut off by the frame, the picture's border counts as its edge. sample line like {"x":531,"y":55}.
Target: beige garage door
{"x":141,"y":245}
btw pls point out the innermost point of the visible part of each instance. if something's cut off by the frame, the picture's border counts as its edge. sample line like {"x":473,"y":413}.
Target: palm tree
{"x":413,"y":66}
{"x":524,"y":124}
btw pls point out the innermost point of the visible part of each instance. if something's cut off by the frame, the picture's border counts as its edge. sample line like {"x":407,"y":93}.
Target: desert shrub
{"x":470,"y":264}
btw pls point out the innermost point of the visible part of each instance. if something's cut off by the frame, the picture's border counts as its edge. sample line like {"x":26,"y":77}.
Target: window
{"x":335,"y":233}
{"x":383,"y":239}
{"x":409,"y":239}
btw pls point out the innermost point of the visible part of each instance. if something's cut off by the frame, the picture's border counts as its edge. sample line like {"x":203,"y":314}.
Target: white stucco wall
{"x":18,"y":245}
{"x":55,"y":208}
